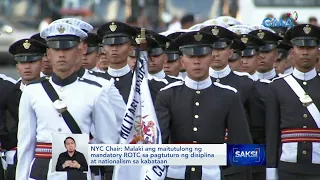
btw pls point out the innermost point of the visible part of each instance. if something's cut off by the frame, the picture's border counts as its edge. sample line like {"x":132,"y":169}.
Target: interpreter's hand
{"x":67,"y":164}
{"x":75,"y":164}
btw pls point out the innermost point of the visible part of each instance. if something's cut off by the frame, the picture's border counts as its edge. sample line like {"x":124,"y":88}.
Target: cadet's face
{"x":172,"y":68}
{"x":70,"y":145}
{"x":266,"y":60}
{"x":280,"y":66}
{"x":197,"y":67}
{"x":63,"y":60}
{"x":46,"y":66}
{"x":29,"y":71}
{"x":83,"y":46}
{"x":220,"y":58}
{"x":235,"y":65}
{"x":89,"y":61}
{"x":117,"y":54}
{"x":305,"y":57}
{"x":249,"y":64}
{"x":132,"y":61}
{"x":103,"y":63}
{"x":155,"y":63}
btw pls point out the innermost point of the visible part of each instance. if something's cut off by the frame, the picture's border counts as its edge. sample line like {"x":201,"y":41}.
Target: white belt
{"x":10,"y":156}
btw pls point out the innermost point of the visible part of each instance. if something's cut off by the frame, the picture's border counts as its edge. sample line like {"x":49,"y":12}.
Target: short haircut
{"x":69,"y":138}
{"x":312,"y":18}
{"x":187,"y":19}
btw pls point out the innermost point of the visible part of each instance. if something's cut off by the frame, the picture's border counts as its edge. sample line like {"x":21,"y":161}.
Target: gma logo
{"x":274,"y":22}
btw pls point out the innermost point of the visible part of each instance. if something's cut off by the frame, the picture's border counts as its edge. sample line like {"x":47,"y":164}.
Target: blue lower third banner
{"x":246,"y":154}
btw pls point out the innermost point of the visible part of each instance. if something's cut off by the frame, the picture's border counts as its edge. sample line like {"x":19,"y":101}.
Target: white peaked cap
{"x":262,"y":27}
{"x":239,"y":30}
{"x":229,"y":20}
{"x":75,"y":22}
{"x":215,"y":22}
{"x":62,"y":29}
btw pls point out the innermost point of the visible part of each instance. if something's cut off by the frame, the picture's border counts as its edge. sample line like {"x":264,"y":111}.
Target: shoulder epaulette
{"x":99,"y":74}
{"x":174,"y":84}
{"x":280,"y":77}
{"x":225,"y":87}
{"x":174,"y":77}
{"x":160,"y":80}
{"x":242,"y":74}
{"x":6,"y":78}
{"x":90,"y":82}
{"x":265,"y":81}
{"x":44,"y":78}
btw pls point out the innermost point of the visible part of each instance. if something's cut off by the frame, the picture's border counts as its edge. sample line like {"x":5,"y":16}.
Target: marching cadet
{"x":46,"y":69}
{"x":91,"y":57}
{"x":268,"y":53}
{"x":118,"y":43}
{"x":28,"y":53}
{"x":221,"y":73}
{"x":173,"y":65}
{"x":195,"y":125}
{"x":293,"y":119}
{"x":158,"y":57}
{"x":235,"y":60}
{"x":62,"y":103}
{"x":102,"y":64}
{"x":283,"y":64}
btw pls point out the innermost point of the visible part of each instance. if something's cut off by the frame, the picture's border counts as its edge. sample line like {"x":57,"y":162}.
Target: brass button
{"x":196,"y":116}
{"x":305,"y":115}
{"x":195,"y":142}
{"x":195,"y":129}
{"x":197,"y":104}
{"x":198,"y":92}
{"x":59,"y":129}
{"x":218,"y":80}
{"x":304,"y":126}
{"x":193,"y":169}
{"x":304,"y":83}
{"x":304,"y":152}
{"x":117,"y":79}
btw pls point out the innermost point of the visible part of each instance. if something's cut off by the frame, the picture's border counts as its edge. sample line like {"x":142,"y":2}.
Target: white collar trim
{"x":304,"y":76}
{"x":268,"y":75}
{"x":159,"y":75}
{"x":119,"y":72}
{"x":198,"y":85}
{"x":220,"y":74}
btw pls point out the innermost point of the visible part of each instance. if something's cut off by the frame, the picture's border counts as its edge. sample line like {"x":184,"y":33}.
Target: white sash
{"x":295,"y":86}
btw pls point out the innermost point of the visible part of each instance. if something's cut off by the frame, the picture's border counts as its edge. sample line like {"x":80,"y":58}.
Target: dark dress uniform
{"x":196,"y":123}
{"x":250,"y":97}
{"x":292,"y":129}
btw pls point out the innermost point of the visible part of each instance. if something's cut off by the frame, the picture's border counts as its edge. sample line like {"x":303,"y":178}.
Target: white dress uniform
{"x":85,"y":100}
{"x":267,"y":75}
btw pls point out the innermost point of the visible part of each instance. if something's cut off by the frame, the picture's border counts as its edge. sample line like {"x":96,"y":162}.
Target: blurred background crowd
{"x":23,"y":18}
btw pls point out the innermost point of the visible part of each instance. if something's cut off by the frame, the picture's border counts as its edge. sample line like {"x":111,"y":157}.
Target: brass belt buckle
{"x":60,"y":106}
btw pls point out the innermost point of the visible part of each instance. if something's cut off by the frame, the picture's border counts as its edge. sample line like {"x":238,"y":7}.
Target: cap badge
{"x":198,"y":36}
{"x":307,"y":29}
{"x":214,"y":22}
{"x":67,"y":21}
{"x":281,"y":35}
{"x":113,"y":27}
{"x":244,"y":39}
{"x":238,"y":32}
{"x":61,"y":29}
{"x":138,"y":40}
{"x":26,"y":44}
{"x":225,"y":20}
{"x":260,"y":34}
{"x":215,"y":31}
{"x":167,"y":44}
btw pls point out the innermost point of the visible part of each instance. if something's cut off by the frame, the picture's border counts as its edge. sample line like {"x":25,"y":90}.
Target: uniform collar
{"x":268,"y":75}
{"x":96,"y":69}
{"x":182,"y":74}
{"x":21,"y":86}
{"x":220,"y":74}
{"x":81,"y":71}
{"x":64,"y":82}
{"x":198,"y":85}
{"x":255,"y":76}
{"x":119,"y":72}
{"x":304,"y":76}
{"x":159,"y":75}
{"x":288,"y":71}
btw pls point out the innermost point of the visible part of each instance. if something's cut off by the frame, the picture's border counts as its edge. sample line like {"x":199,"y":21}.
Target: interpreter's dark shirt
{"x":77,"y":156}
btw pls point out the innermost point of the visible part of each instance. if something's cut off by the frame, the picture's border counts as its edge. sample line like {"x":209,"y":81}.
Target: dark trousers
{"x":11,"y":172}
{"x":258,"y":173}
{"x":40,"y":170}
{"x":237,"y":173}
{"x":283,"y":175}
